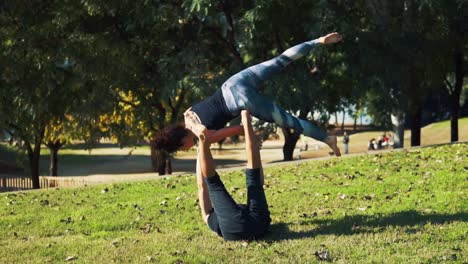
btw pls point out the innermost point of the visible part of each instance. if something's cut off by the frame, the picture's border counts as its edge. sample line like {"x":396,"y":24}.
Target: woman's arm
{"x":225,"y":132}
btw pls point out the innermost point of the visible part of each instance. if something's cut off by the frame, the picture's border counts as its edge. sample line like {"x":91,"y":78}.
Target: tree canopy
{"x":127,"y":69}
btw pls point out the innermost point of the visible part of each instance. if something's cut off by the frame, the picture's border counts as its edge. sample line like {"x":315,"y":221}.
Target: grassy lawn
{"x":398,"y":207}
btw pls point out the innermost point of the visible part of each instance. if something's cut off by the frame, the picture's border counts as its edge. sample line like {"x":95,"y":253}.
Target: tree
{"x":454,"y":55}
{"x":408,"y":31}
{"x":51,"y":63}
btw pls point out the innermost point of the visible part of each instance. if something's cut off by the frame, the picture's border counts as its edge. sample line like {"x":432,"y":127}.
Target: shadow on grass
{"x":83,"y":164}
{"x":359,"y":224}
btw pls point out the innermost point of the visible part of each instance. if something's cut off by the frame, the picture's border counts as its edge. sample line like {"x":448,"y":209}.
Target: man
{"x":223,"y":215}
{"x":346,"y":142}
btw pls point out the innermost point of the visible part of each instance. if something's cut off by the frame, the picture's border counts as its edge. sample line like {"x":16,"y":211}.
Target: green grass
{"x":399,"y":207}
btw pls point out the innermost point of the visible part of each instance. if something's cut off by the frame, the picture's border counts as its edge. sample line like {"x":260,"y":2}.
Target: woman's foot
{"x":332,"y":142}
{"x":193,"y":123}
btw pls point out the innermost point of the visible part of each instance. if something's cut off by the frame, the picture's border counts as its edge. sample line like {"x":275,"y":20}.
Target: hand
{"x":331,"y":38}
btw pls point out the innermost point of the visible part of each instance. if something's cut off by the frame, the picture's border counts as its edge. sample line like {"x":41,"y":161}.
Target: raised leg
{"x":256,"y":200}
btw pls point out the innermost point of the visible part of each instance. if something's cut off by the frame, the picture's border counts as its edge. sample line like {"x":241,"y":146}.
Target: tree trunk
{"x":398,"y":121}
{"x":161,"y":157}
{"x":455,"y":95}
{"x":53,"y":161}
{"x":54,"y":147}
{"x":290,"y":141}
{"x":343,"y":121}
{"x":34,"y":156}
{"x":355,"y":123}
{"x":416,"y":115}
{"x":454,"y":110}
{"x":158,"y":159}
{"x":169,"y":165}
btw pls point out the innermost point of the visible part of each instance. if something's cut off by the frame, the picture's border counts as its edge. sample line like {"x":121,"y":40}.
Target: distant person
{"x":371,"y":145}
{"x":380,"y":143}
{"x":220,"y":212}
{"x":386,"y":140}
{"x":239,"y":93}
{"x":345,"y":142}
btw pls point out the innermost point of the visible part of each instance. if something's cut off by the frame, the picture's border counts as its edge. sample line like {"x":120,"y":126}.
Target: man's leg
{"x":254,"y":173}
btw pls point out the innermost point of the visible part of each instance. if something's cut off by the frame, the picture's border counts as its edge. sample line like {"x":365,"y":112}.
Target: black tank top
{"x":213,"y":112}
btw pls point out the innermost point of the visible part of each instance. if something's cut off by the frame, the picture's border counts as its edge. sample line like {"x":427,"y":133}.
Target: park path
{"x":233,"y":158}
{"x":230,"y":158}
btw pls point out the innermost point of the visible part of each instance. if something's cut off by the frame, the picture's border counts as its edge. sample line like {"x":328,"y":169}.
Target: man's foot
{"x":245,"y":117}
{"x":193,"y":123}
{"x":332,"y":142}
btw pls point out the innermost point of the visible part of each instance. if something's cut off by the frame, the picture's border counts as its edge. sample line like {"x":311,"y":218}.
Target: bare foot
{"x":332,"y":142}
{"x":331,"y":38}
{"x":245,"y":116}
{"x":193,"y":123}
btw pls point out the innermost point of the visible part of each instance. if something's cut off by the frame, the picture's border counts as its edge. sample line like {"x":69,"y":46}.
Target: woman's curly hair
{"x":170,"y":139}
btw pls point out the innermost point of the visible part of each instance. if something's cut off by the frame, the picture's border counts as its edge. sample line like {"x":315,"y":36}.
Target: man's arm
{"x":203,"y":195}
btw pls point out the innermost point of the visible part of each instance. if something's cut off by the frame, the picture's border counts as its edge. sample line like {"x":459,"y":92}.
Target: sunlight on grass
{"x":399,"y":207}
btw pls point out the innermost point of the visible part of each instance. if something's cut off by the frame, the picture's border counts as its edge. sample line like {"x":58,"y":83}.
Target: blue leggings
{"x":240,"y":93}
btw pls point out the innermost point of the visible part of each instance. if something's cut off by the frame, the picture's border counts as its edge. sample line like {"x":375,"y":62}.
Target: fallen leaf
{"x":355,"y":227}
{"x":451,"y":257}
{"x":70,"y":258}
{"x":146,"y":229}
{"x":115,"y":243}
{"x":322,"y":255}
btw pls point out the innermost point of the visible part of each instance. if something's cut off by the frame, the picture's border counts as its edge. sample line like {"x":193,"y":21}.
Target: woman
{"x":239,"y":93}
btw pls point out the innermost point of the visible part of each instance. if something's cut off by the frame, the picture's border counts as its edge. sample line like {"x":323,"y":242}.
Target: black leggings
{"x":237,"y":222}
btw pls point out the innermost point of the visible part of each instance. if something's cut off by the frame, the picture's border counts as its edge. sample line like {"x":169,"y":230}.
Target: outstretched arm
{"x":225,"y":132}
{"x":205,"y":164}
{"x":203,"y":195}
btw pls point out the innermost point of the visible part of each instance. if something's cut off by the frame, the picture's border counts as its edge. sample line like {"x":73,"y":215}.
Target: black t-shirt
{"x":346,"y":139}
{"x":213,"y":112}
